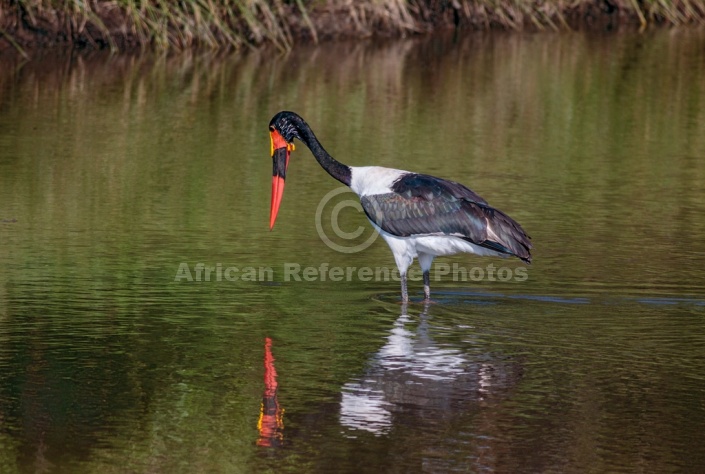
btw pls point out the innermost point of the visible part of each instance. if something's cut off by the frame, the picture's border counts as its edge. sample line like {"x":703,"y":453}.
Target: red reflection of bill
{"x":271,"y":416}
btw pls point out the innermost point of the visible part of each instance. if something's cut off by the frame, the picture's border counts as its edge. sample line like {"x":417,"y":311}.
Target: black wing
{"x":425,"y":205}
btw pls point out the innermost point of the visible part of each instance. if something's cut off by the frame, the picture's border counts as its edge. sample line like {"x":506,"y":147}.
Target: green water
{"x":120,"y":175}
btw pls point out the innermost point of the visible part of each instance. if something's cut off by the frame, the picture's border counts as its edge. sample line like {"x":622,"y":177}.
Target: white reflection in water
{"x":414,"y":373}
{"x":421,"y":358}
{"x":365,"y":409}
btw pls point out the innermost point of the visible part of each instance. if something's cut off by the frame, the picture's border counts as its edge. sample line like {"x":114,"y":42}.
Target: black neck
{"x":339,"y":171}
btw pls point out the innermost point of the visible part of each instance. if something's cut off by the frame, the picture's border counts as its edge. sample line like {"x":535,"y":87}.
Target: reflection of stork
{"x":271,"y":416}
{"x":412,"y":373}
{"x":419,"y":216}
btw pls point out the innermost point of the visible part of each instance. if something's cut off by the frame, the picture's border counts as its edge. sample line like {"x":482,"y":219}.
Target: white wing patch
{"x":371,"y":180}
{"x":490,"y":233}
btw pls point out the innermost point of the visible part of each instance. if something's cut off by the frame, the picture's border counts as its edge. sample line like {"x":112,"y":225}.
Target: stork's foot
{"x":426,"y":286}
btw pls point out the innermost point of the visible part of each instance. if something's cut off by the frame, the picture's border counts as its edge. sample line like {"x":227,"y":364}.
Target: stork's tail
{"x":506,"y":236}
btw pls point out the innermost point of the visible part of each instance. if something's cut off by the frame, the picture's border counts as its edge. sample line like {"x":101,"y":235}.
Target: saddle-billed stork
{"x":419,"y":216}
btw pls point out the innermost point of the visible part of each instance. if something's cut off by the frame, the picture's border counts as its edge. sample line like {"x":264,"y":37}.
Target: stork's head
{"x":288,"y":125}
{"x":282,"y":131}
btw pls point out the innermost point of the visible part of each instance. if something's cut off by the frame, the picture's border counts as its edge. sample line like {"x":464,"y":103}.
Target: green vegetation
{"x":164,"y":24}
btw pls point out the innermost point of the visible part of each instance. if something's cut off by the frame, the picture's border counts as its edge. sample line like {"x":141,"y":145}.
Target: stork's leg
{"x":404,"y":291}
{"x":403,"y":256}
{"x":404,"y":253}
{"x":426,"y":260}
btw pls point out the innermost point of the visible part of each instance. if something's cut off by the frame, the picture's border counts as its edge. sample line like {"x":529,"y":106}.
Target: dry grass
{"x":170,"y":24}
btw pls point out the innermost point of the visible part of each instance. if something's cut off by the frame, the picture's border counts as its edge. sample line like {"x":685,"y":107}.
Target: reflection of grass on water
{"x":237,"y":23}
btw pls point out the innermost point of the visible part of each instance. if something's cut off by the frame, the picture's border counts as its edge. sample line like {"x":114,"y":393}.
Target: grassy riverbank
{"x":168,"y":24}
